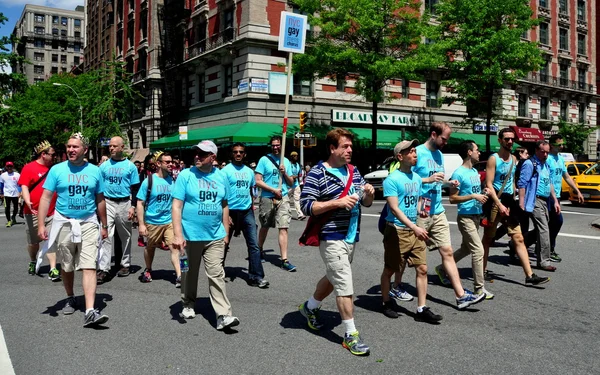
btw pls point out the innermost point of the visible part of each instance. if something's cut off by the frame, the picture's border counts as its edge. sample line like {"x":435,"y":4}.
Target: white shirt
{"x":10,"y":181}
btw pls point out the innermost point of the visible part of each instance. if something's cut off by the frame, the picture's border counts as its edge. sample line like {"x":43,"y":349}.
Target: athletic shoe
{"x":488,"y":276}
{"x":31,"y":269}
{"x":468,"y":299}
{"x":400,"y":294}
{"x":141,"y":242}
{"x":178,"y":282}
{"x":53,"y":275}
{"x":261,"y":283}
{"x":488,"y":294}
{"x":101,"y":277}
{"x":555,"y":257}
{"x":427,"y":316}
{"x":14,"y":221}
{"x":546,"y":268}
{"x":9,"y":224}
{"x":146,"y":276}
{"x":389,"y":309}
{"x":188,"y":313}
{"x":94,"y":318}
{"x":123,"y":272}
{"x":355,"y":345}
{"x":70,"y":306}
{"x":312,"y":316}
{"x":442,"y":275}
{"x":226,"y":321}
{"x":536,"y":280}
{"x":288,"y":266}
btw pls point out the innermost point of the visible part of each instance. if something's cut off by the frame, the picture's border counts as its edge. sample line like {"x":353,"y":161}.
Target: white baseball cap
{"x":207,"y":146}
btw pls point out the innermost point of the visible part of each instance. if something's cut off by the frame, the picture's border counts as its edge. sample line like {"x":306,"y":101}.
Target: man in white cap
{"x":201,"y":225}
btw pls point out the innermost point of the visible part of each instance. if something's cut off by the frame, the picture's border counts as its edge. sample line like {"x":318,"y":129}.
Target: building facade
{"x":100,"y":33}
{"x":51,"y":39}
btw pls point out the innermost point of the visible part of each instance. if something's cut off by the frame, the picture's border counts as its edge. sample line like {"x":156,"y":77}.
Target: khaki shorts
{"x":78,"y":256}
{"x":159,"y":233}
{"x":438,"y":229}
{"x":337,"y":256}
{"x":274,"y":216}
{"x":511,"y":222}
{"x":31,"y":231}
{"x":401,"y":247}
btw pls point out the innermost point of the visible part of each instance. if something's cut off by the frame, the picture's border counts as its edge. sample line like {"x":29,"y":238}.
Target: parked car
{"x":588,"y":184}
{"x":573,"y":169}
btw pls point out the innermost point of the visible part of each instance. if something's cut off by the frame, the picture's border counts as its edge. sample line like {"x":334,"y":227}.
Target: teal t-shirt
{"x":76,"y":188}
{"x":342,"y":174}
{"x":502,"y":168}
{"x":428,"y":163}
{"x":295,"y":173}
{"x":202,"y":195}
{"x":557,"y":170}
{"x":543,"y":188}
{"x":118,"y":177}
{"x":469,"y":184}
{"x":158,"y":207}
{"x":241,"y":180}
{"x":270,"y":174}
{"x":407,"y":187}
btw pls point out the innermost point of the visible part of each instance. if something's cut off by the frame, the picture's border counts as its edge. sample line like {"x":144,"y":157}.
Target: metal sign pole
{"x":285,"y":114}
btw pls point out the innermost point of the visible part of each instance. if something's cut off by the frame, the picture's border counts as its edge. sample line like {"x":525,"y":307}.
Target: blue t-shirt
{"x":543,"y":188}
{"x":557,"y":170}
{"x":342,"y":174}
{"x":118,"y":178}
{"x":76,"y":188}
{"x":469,"y":184}
{"x":295,"y":173}
{"x":241,"y":180}
{"x":407,"y":187}
{"x":202,"y":195}
{"x":158,"y":207}
{"x":428,"y":163}
{"x":502,"y":168}
{"x":270,"y":174}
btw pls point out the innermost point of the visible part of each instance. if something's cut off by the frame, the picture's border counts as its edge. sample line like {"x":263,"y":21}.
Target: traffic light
{"x":303,"y":120}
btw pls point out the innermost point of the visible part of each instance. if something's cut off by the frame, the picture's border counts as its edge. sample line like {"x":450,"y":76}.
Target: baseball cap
{"x":294,"y":153}
{"x":9,"y":164}
{"x":207,"y":146}
{"x":405,"y":145}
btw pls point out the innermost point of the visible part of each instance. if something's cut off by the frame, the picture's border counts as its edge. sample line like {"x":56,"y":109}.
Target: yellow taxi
{"x":574,"y":168}
{"x":588,"y":184}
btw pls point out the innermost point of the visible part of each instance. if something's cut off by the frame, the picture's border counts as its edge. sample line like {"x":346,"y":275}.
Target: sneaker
{"x":390,"y":308}
{"x":261,"y":283}
{"x":442,"y":275}
{"x":70,"y":306}
{"x":178,"y":282}
{"x":9,"y":224}
{"x":226,"y":321}
{"x":141,"y":242}
{"x":101,"y":277}
{"x":31,"y":269}
{"x":488,"y":276}
{"x":146,"y":276}
{"x":53,"y":275}
{"x":288,"y":266}
{"x":94,"y":318}
{"x":468,"y":299}
{"x":485,"y":292}
{"x":427,"y":316}
{"x":123,"y":272}
{"x":555,"y":257}
{"x":355,"y":345}
{"x":312,"y":316}
{"x":400,"y":294}
{"x":536,"y":280}
{"x":188,"y":313}
{"x":546,"y":268}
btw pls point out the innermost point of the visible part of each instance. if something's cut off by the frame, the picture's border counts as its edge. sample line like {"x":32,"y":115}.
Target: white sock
{"x":88,"y":310}
{"x":420,"y":308}
{"x":313,"y":303}
{"x":349,"y":324}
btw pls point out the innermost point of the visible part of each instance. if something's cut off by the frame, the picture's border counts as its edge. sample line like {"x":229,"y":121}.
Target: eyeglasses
{"x":275,"y":145}
{"x":237,"y":152}
{"x":168,"y":161}
{"x":507,"y":139}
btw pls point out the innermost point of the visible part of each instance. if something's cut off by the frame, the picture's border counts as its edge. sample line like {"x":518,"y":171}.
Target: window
{"x":303,"y":86}
{"x":563,"y":39}
{"x":544,"y":72}
{"x":544,"y":3}
{"x":77,"y":47}
{"x":581,"y":107}
{"x":543,"y":108}
{"x":581,"y":10}
{"x":564,"y":109}
{"x":228,"y":25}
{"x":143,"y":25}
{"x":38,"y":56}
{"x":433,"y":88}
{"x":563,"y":7}
{"x":227,"y":80}
{"x":38,"y":18}
{"x":54,"y":19}
{"x":77,"y":34}
{"x":340,"y":84}
{"x":581,"y":44}
{"x":54,"y":70}
{"x":405,"y":88}
{"x":544,"y":33}
{"x":63,"y":32}
{"x":581,"y":78}
{"x":63,"y":21}
{"x":63,"y":59}
{"x":130,"y":35}
{"x":76,"y":60}
{"x":564,"y":75}
{"x":39,"y":30}
{"x":55,"y":32}
{"x":38,"y":69}
{"x":39,"y":43}
{"x":430,"y":6}
{"x":523,"y":105}
{"x":54,"y":58}
{"x":201,"y":88}
{"x":77,"y":22}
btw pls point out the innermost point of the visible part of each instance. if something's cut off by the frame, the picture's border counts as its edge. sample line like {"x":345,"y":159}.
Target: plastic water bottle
{"x":183,"y":263}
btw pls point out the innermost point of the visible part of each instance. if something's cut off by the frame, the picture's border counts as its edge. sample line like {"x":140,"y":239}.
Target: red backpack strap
{"x":350,"y":179}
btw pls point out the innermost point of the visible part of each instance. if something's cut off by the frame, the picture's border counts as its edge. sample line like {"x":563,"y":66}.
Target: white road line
{"x":6,"y":367}
{"x":560,"y":234}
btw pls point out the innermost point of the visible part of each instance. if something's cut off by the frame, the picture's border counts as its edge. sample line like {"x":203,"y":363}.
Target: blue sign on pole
{"x":292,"y":32}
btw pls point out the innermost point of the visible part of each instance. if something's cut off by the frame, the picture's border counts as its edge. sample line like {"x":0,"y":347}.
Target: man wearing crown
{"x":31,"y":181}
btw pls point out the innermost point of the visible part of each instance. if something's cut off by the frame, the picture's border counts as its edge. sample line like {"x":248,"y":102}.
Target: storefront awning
{"x":525,"y":135}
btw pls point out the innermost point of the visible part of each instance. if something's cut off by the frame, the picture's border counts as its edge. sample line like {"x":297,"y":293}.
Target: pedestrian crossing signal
{"x":303,"y":120}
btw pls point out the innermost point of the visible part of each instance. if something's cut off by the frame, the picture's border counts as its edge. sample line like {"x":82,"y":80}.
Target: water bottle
{"x":183,"y":263}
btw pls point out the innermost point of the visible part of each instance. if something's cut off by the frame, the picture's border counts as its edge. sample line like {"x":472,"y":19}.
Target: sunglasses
{"x":508,"y":139}
{"x":238,"y":152}
{"x":168,"y":161}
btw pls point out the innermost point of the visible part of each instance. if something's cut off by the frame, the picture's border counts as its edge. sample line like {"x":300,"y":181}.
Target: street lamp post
{"x":80,"y":108}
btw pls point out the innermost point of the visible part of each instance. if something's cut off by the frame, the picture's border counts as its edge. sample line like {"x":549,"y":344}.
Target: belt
{"x":542,"y":198}
{"x":389,"y":223}
{"x":118,"y":200}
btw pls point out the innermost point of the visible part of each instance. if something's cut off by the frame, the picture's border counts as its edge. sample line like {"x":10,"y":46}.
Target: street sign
{"x":292,"y":32}
{"x":304,"y":135}
{"x":104,"y":141}
{"x":183,"y":133}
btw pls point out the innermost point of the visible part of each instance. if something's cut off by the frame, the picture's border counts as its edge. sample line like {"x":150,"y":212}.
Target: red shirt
{"x":29,"y":175}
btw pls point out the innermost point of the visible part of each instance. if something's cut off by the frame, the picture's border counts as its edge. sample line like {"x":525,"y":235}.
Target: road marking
{"x":6,"y":367}
{"x":560,"y":234}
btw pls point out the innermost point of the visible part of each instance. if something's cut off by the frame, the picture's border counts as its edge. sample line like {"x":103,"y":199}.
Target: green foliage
{"x":9,"y":82}
{"x":574,"y":136}
{"x":483,"y":51}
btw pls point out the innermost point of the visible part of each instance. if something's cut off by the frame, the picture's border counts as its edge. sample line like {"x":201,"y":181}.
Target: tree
{"x":371,"y":41}
{"x":574,"y":136}
{"x":9,"y":82}
{"x":483,"y":51}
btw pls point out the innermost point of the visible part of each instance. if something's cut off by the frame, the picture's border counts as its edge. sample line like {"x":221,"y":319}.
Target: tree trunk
{"x":374,"y":136}
{"x":488,"y":121}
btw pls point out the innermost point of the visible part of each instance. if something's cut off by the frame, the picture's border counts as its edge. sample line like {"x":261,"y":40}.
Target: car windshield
{"x":593,"y":170}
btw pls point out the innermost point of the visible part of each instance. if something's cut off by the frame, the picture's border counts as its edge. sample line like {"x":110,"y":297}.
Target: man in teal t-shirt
{"x":295,"y":189}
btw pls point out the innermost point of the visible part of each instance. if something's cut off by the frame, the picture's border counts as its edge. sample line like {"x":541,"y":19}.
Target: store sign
{"x":358,"y":117}
{"x":183,"y":133}
{"x":259,"y":85}
{"x":482,"y":126}
{"x":243,"y":86}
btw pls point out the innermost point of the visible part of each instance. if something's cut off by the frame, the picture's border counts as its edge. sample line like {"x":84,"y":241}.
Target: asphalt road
{"x":552,"y":329}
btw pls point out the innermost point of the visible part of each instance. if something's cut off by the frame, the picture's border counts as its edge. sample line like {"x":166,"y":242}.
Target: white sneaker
{"x":227,"y":321}
{"x":488,"y":294}
{"x":188,"y":313}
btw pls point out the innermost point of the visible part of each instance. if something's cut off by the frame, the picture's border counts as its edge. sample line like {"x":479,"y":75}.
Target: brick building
{"x":100,"y":32}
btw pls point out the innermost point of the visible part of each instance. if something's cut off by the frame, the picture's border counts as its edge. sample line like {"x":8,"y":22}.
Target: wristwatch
{"x":105,"y":227}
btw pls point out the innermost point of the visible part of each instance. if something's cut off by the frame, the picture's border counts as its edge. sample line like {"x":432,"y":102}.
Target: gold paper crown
{"x":45,"y":145}
{"x":80,"y":136}
{"x":157,"y":155}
